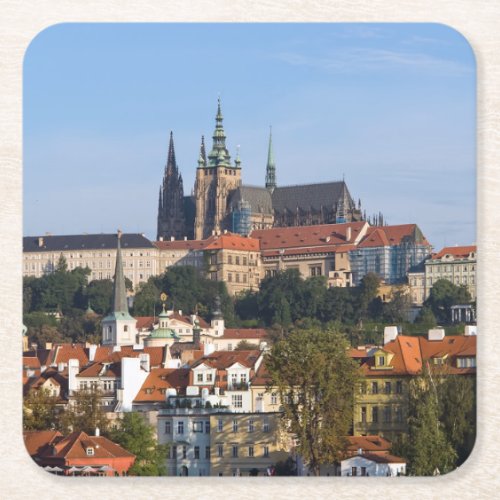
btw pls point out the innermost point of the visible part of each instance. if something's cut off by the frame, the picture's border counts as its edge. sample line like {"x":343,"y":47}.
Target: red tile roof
{"x":323,"y":235}
{"x":146,"y":322}
{"x":153,"y":389}
{"x":391,"y":235}
{"x":244,"y":333}
{"x":462,"y":252}
{"x":75,"y":446}
{"x":232,"y":241}
{"x":370,"y":444}
{"x":34,"y":441}
{"x":110,"y":370}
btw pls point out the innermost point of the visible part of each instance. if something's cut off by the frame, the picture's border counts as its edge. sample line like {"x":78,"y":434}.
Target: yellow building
{"x":244,"y":443}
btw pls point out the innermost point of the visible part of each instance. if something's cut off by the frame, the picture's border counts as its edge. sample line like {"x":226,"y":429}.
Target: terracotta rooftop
{"x":110,"y":370}
{"x":322,"y":235}
{"x":232,"y":241}
{"x":160,"y":379}
{"x":244,"y":333}
{"x":34,"y":441}
{"x":462,"y":252}
{"x":181,"y":245}
{"x":224,"y":359}
{"x":145,"y":322}
{"x":368,"y":444}
{"x":392,"y":235}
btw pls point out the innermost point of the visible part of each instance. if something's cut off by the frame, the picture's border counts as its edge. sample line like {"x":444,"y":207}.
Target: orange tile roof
{"x":31,"y":362}
{"x":232,"y":241}
{"x":244,"y":333}
{"x":389,"y":235}
{"x":262,"y":376}
{"x":62,"y":353}
{"x":322,"y":235}
{"x":159,"y":379}
{"x":110,"y":370}
{"x":145,"y":322}
{"x":368,"y":444}
{"x":458,"y":252}
{"x":34,"y":441}
{"x":75,"y":446}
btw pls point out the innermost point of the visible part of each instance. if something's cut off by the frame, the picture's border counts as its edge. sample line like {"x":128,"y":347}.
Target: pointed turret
{"x":237,"y":161}
{"x":203,"y":152}
{"x":171,"y":166}
{"x":219,"y":156}
{"x":271,"y":165}
{"x":119,"y":290}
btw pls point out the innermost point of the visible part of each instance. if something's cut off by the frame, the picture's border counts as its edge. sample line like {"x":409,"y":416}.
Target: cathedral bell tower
{"x":215,"y":179}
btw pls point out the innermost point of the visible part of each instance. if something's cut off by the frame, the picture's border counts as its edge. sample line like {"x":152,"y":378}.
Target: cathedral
{"x":221,"y":202}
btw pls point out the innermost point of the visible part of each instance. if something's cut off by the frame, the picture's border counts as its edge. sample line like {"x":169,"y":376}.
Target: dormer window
{"x":381,"y":361}
{"x":90,"y":451}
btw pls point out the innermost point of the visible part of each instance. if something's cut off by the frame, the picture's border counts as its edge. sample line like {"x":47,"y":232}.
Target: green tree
{"x":99,"y":296}
{"x":368,"y":305}
{"x":138,"y":437}
{"x":40,"y":410}
{"x":85,"y":413}
{"x":427,"y":448}
{"x":147,"y":299}
{"x":338,"y":305}
{"x":443,"y":295}
{"x":245,"y":345}
{"x":398,"y":308}
{"x":426,"y":318}
{"x":316,"y":382}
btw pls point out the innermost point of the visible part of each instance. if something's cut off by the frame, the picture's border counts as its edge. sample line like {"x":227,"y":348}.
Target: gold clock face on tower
{"x":163,"y":297}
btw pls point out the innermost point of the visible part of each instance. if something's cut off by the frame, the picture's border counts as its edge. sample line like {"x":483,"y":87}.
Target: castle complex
{"x":221,"y":202}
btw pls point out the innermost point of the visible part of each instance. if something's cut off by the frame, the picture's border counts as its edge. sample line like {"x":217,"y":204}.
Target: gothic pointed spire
{"x":271,"y":165}
{"x":219,"y":156}
{"x":202,"y":158}
{"x":237,"y":161}
{"x":119,"y":290}
{"x":171,"y":163}
{"x":159,"y":201}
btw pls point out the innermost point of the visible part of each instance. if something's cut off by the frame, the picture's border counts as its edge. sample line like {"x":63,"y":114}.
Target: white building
{"x":371,"y":464}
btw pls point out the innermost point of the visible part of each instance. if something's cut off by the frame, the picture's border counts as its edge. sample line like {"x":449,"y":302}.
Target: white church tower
{"x":118,"y":327}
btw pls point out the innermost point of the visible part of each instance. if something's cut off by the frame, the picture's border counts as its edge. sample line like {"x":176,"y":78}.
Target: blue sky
{"x":391,"y":107}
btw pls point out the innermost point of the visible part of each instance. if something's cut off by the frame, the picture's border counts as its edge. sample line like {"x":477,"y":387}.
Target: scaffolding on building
{"x":241,"y":218}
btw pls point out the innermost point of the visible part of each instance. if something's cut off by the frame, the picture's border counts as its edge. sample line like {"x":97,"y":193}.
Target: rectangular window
{"x":251,"y":426}
{"x":207,"y":427}
{"x":174,"y":452}
{"x":363,"y":414}
{"x":398,"y":415}
{"x":375,"y":415}
{"x":387,"y":414}
{"x":265,"y":425}
{"x":198,"y":426}
{"x":229,"y":259}
{"x":250,"y":451}
{"x":184,"y":452}
{"x":235,"y":451}
{"x":388,"y":387}
{"x":220,"y":424}
{"x":209,"y":377}
{"x":168,"y":427}
{"x":180,"y":427}
{"x":220,"y":450}
{"x":235,"y":426}
{"x":237,"y":277}
{"x":354,"y":471}
{"x":399,"y":387}
{"x":207,"y":452}
{"x":199,"y":377}
{"x":196,"y":452}
{"x":274,"y":398}
{"x":266,"y":451}
{"x":237,"y":260}
{"x":374,"y":387}
{"x":244,"y":261}
{"x":229,"y":277}
{"x":363,"y":471}
{"x":237,"y":400}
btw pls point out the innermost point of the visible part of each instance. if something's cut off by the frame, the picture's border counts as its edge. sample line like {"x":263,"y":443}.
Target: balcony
{"x":238,"y":386}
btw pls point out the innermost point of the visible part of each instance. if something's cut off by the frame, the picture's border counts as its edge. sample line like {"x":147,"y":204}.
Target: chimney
{"x":225,"y":231}
{"x":360,"y":451}
{"x":40,"y":242}
{"x":92,"y":351}
{"x":348,"y":233}
{"x":390,"y":334}
{"x":73,"y":369}
{"x":48,"y":346}
{"x":435,"y":334}
{"x":196,"y":336}
{"x":180,"y":312}
{"x":97,"y":432}
{"x":160,"y":238}
{"x":60,"y":367}
{"x":172,"y":238}
{"x":185,"y":238}
{"x":470,"y":330}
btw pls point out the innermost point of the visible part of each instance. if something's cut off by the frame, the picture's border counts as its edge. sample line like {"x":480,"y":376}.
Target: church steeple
{"x":219,"y":156}
{"x":119,"y":289}
{"x":271,"y":166}
{"x":171,"y":166}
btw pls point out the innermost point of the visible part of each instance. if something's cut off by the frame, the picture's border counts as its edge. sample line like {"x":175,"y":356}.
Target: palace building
{"x":220,"y":201}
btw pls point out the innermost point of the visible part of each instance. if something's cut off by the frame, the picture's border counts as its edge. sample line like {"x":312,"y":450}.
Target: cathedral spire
{"x":219,"y":154}
{"x":119,"y":290}
{"x":271,"y":166}
{"x":171,"y":163}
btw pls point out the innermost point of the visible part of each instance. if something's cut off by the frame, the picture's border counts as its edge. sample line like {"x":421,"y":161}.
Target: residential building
{"x":246,"y":444}
{"x":370,"y":464}
{"x":455,"y":264}
{"x":78,"y":454}
{"x":174,"y":252}
{"x":95,"y":251}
